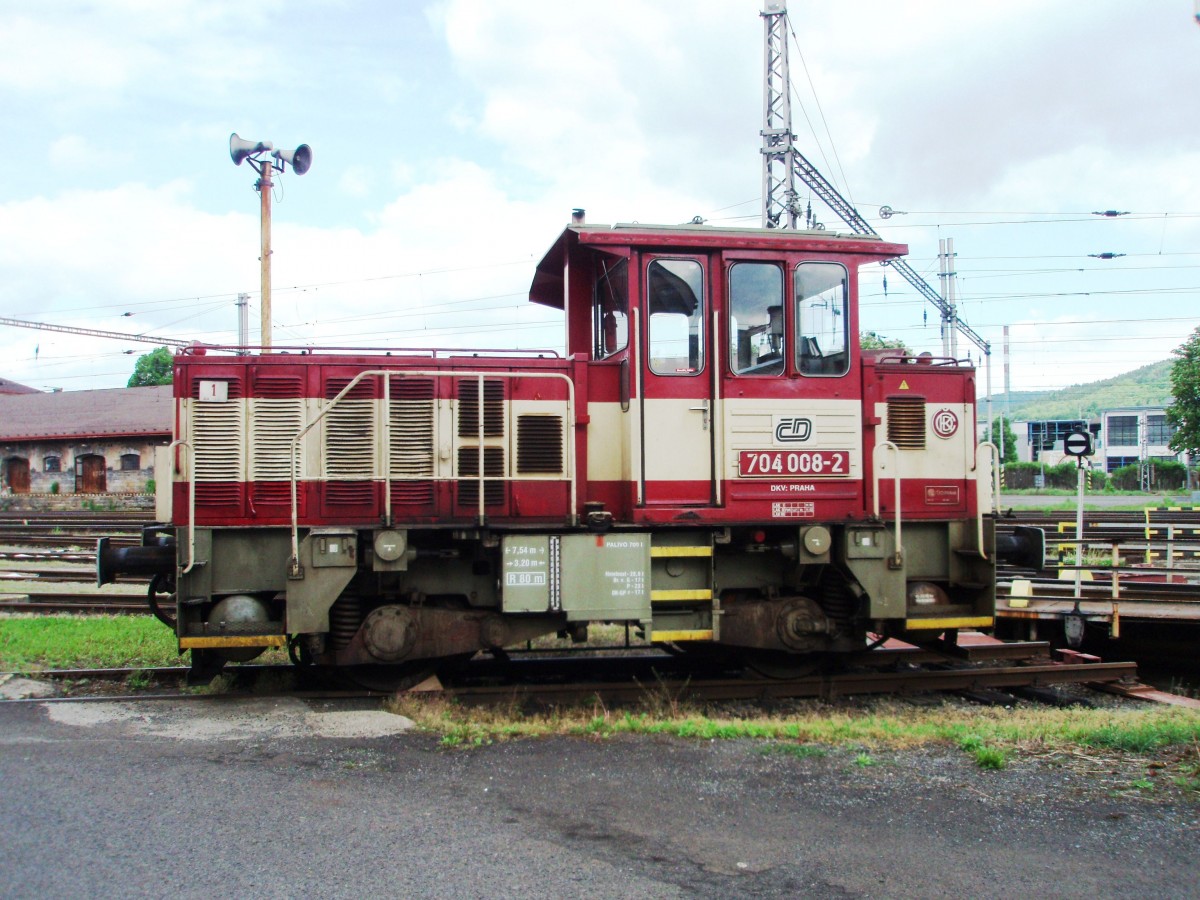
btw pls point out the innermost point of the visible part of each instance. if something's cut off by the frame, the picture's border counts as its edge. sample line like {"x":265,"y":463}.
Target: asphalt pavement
{"x":261,"y":798}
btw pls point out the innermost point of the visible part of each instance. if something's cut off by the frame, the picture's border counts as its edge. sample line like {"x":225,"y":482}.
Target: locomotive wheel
{"x":400,"y":676}
{"x":386,"y":679}
{"x":783,"y":666}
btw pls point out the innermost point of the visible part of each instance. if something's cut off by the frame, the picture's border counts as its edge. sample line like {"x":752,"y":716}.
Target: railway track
{"x":554,"y":678}
{"x":57,"y":550}
{"x":51,"y":603}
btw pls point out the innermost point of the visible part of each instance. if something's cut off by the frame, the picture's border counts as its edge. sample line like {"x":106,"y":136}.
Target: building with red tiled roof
{"x":11,"y":387}
{"x":82,"y":441}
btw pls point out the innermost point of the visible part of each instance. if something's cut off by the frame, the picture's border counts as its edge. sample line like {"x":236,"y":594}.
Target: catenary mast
{"x":783,"y":163}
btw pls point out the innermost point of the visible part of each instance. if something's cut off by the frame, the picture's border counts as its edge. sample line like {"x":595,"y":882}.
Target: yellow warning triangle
{"x":904,"y":385}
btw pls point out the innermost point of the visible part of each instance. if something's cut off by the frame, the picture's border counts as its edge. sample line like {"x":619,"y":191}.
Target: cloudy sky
{"x":451,"y":140}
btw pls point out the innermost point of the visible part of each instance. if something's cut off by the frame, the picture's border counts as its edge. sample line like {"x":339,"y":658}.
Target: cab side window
{"x":756,"y":332}
{"x":822,"y":323}
{"x":610,"y":311}
{"x":675,"y":288}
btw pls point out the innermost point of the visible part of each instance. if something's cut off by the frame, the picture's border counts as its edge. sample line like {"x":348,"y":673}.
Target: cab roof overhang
{"x":547,"y":288}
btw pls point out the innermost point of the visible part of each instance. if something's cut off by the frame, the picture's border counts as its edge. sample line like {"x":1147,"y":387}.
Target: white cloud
{"x":452,"y":143}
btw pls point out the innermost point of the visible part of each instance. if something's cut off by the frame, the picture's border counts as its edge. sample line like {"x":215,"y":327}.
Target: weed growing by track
{"x":1169,"y":739}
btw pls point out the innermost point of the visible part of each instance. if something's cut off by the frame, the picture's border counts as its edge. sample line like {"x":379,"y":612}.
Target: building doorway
{"x":90,"y":474}
{"x":16,"y":473}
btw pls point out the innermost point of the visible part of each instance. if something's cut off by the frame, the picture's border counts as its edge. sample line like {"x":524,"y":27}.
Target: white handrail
{"x":994,"y":458}
{"x":635,"y":431}
{"x":191,"y":466}
{"x":569,"y":436}
{"x":897,"y":557}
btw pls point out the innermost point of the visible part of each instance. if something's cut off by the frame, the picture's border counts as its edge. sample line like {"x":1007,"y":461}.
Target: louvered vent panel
{"x":217,"y":440}
{"x":412,"y":424}
{"x":906,"y":422}
{"x":493,"y":408}
{"x":350,"y":440}
{"x":216,"y":494}
{"x":273,"y":425}
{"x":353,"y":493}
{"x":468,"y":469}
{"x":539,"y":445}
{"x":277,"y":386}
{"x":364,"y":390}
{"x":272,"y":492}
{"x":412,"y":493}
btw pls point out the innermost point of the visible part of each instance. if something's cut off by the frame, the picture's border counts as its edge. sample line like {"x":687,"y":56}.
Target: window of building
{"x":822,"y":324}
{"x":1158,"y":431}
{"x":756,"y":332}
{"x":676,"y":304}
{"x":130,"y":462}
{"x":1118,"y":462}
{"x":610,"y":311}
{"x":52,"y":464}
{"x":1122,"y":431}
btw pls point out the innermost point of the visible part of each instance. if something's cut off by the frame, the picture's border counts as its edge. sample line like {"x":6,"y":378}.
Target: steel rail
{"x":826,"y":687}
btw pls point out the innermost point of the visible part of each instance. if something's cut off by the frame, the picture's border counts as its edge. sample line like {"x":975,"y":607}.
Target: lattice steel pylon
{"x":778,"y":151}
{"x":783,"y":163}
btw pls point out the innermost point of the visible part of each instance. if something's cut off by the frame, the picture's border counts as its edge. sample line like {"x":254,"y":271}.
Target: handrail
{"x":897,"y":557}
{"x":635,"y":458}
{"x":434,"y":373}
{"x":994,"y":458}
{"x":191,"y":457}
{"x":718,"y":414}
{"x":479,"y":417}
{"x":195,"y":349}
{"x":387,"y":457}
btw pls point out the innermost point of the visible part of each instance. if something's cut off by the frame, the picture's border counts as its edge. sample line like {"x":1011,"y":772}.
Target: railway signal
{"x":1078,"y":443}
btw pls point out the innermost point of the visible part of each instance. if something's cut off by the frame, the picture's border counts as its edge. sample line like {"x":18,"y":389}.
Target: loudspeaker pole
{"x":263,"y":186}
{"x":266,"y":160}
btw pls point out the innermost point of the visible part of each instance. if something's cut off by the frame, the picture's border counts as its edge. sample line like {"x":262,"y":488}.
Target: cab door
{"x":677,"y":393}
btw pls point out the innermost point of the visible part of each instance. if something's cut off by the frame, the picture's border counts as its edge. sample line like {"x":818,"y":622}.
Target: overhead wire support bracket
{"x":780,"y":200}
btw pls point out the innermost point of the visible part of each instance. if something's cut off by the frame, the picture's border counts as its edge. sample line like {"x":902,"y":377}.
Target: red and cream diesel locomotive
{"x":713,"y":461}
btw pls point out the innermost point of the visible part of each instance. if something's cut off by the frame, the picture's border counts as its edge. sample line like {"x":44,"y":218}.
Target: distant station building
{"x":81,"y":442}
{"x":1122,"y":437}
{"x":1042,"y":441}
{"x":1136,"y":434}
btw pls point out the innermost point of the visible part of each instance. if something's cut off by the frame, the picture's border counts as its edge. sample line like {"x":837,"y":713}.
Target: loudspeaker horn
{"x":300,"y":158}
{"x":240,"y":148}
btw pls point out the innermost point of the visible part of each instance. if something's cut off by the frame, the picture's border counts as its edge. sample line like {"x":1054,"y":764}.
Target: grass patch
{"x":992,"y":738}
{"x":986,"y":757}
{"x":30,"y":643}
{"x":85,"y":642}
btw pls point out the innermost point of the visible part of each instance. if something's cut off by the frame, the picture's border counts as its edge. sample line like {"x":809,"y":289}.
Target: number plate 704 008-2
{"x":797,"y":463}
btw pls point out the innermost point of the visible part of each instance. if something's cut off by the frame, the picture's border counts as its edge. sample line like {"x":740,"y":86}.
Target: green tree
{"x":1001,"y":425}
{"x":1184,"y":412}
{"x":871,"y":340}
{"x":154,"y":367}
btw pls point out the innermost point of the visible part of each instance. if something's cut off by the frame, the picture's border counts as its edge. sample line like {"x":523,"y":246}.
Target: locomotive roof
{"x":547,"y":287}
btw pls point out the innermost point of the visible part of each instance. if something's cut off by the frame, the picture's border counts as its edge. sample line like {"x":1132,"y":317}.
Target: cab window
{"x":822,"y":326}
{"x":675,"y":291}
{"x":610,"y":311}
{"x":756,"y":332}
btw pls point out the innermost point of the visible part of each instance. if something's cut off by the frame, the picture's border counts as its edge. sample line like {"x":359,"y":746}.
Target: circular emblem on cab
{"x":945,"y":423}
